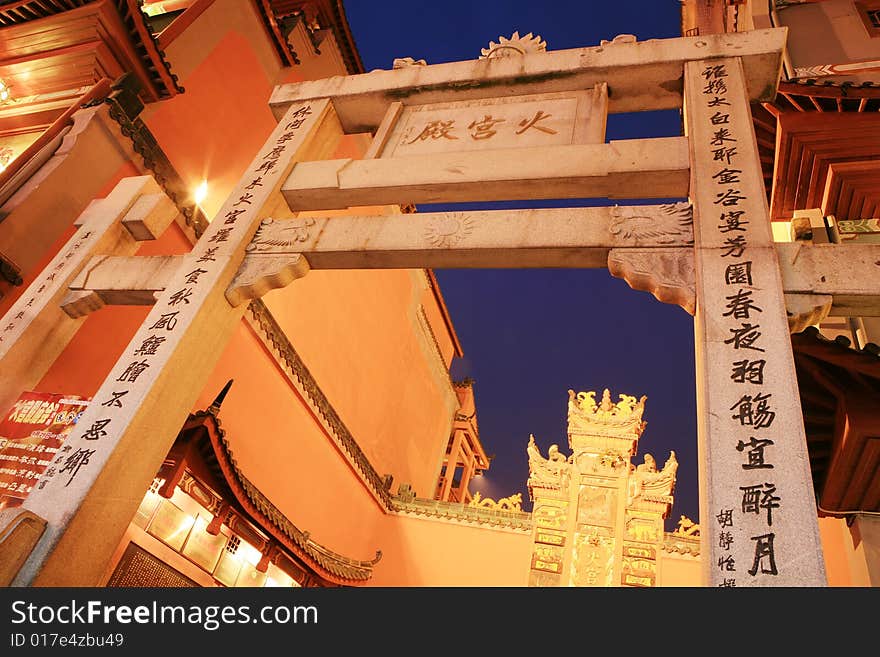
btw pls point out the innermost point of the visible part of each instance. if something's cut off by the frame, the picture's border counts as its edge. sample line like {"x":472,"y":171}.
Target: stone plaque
{"x":550,"y":119}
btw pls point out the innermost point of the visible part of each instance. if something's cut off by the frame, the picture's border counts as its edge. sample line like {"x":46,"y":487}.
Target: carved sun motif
{"x":514,"y":46}
{"x":445,"y":231}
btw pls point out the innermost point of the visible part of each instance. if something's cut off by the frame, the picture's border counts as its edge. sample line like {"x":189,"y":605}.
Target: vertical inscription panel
{"x":166,"y":360}
{"x":758,"y":510}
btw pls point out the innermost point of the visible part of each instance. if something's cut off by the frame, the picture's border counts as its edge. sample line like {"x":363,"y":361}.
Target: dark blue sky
{"x":530,"y":335}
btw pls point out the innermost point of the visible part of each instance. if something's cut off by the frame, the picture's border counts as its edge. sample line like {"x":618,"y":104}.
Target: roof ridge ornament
{"x":515,"y":46}
{"x":624,"y":416}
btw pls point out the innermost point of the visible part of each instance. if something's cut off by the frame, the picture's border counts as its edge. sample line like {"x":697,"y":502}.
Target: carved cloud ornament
{"x":668,"y":274}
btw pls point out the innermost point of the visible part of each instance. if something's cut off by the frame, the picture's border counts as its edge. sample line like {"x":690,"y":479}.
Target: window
{"x":869,"y":13}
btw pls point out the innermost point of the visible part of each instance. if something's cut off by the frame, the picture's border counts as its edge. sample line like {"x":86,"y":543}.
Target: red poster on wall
{"x":31,"y":437}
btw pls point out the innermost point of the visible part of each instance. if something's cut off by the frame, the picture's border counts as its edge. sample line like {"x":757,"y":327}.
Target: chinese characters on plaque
{"x":516,"y":122}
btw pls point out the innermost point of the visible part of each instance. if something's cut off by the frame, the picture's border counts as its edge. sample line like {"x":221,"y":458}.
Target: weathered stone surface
{"x":118,"y":280}
{"x":121,"y":439}
{"x":758,"y":510}
{"x":642,"y":168}
{"x":35,"y":330}
{"x":565,"y":118}
{"x":850,"y":273}
{"x":644,"y":75}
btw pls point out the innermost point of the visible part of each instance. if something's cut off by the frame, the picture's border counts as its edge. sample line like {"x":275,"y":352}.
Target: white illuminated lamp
{"x":201,"y":192}
{"x":4,"y":92}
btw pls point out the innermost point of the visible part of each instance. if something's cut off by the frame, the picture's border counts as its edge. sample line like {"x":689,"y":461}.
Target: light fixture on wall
{"x":4,"y":92}
{"x":201,"y":192}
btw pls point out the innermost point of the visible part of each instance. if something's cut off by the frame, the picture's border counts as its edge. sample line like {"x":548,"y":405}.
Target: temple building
{"x":225,"y":359}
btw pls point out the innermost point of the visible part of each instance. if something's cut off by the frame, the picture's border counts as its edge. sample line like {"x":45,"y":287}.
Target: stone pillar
{"x":90,"y":494}
{"x":757,"y":508}
{"x":35,"y":330}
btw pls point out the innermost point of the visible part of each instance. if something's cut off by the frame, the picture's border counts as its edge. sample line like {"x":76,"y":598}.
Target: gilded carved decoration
{"x":597,"y":506}
{"x":687,"y":527}
{"x":649,"y":481}
{"x":593,"y":560}
{"x":602,"y":512}
{"x":550,"y":514}
{"x":605,"y":417}
{"x":510,"y":503}
{"x":644,"y":530}
{"x":552,"y":472}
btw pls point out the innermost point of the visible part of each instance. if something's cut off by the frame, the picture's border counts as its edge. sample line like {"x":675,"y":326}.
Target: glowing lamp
{"x":201,"y":192}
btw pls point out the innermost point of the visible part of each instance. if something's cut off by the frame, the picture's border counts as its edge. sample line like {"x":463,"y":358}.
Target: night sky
{"x":529,"y":335}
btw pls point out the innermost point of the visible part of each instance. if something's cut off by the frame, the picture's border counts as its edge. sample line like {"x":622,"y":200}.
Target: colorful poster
{"x":32,"y":434}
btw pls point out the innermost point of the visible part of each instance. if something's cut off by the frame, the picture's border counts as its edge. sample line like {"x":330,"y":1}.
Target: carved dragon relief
{"x":645,"y":480}
{"x":673,"y":224}
{"x":551,"y":472}
{"x":510,"y":503}
{"x":687,"y":527}
{"x":266,"y":265}
{"x":274,"y":235}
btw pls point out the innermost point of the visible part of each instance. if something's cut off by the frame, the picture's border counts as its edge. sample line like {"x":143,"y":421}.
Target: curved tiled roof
{"x":839,"y":386}
{"x":329,"y":565}
{"x":157,"y":68}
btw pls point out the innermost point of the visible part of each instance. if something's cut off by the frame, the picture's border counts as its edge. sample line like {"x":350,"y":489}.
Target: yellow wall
{"x":425,"y":552}
{"x":844,"y":553}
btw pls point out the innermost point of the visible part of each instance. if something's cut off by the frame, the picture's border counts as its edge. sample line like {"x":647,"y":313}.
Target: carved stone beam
{"x":118,"y":280}
{"x":149,"y":216}
{"x":805,"y":310}
{"x":634,"y":168}
{"x":818,"y":280}
{"x":565,"y":237}
{"x":668,"y":274}
{"x":644,"y":75}
{"x":850,"y":273}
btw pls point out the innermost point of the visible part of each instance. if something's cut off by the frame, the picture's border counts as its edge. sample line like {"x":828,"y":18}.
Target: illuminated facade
{"x":345,"y":450}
